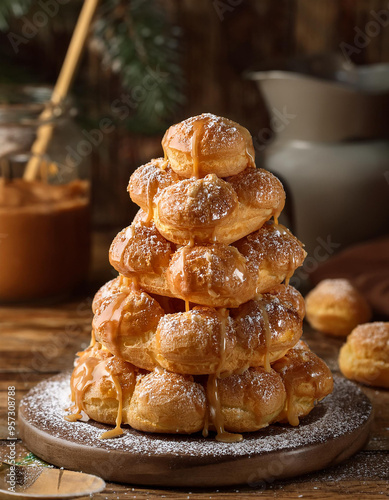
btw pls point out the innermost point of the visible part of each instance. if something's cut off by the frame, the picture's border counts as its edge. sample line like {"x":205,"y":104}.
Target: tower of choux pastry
{"x":200,"y":331}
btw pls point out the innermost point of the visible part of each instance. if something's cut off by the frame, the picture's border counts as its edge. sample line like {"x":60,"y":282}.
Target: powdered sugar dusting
{"x":343,"y":412}
{"x":197,"y":202}
{"x":218,"y":132}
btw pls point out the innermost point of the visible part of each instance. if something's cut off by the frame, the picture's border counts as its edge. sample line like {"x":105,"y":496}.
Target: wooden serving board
{"x":334,"y":430}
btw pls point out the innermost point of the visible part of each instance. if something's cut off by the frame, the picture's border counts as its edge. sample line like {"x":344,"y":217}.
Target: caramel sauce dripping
{"x":216,"y":413}
{"x":92,"y":338}
{"x":208,"y":258}
{"x":86,"y":373}
{"x":213,"y":395}
{"x":110,"y":318}
{"x":267,"y":331}
{"x":300,"y":375}
{"x":290,"y":383}
{"x":291,"y":409}
{"x":120,"y":247}
{"x":92,"y":369}
{"x":150,"y":200}
{"x":82,"y":377}
{"x":223,"y":339}
{"x":198,"y":131}
{"x":181,"y":265}
{"x":251,"y":159}
{"x":117,"y":430}
{"x":292,"y":258}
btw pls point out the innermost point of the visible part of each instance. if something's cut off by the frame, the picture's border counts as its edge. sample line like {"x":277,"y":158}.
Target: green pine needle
{"x":138,"y":43}
{"x":12,"y":9}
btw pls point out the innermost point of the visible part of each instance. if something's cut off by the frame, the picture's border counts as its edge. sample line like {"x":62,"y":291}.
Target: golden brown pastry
{"x":261,"y":196}
{"x":111,"y":391}
{"x":336,"y":307}
{"x":212,"y":275}
{"x":307,"y":380}
{"x":148,"y":181}
{"x":196,"y":210}
{"x":131,"y":324}
{"x":272,"y":253}
{"x":290,"y":297}
{"x":249,"y":401}
{"x":167,"y":402}
{"x":209,"y":209}
{"x":139,"y":251}
{"x":125,"y":323}
{"x":265,"y":329}
{"x":198,"y":332}
{"x":208,"y":144}
{"x":101,"y":386}
{"x":365,"y":355}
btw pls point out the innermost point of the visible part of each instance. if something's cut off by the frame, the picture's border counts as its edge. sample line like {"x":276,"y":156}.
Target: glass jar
{"x":44,"y":222}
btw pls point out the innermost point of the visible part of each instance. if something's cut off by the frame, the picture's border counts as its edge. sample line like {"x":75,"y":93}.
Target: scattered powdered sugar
{"x":200,"y":201}
{"x":218,"y":132}
{"x":341,"y":413}
{"x":258,"y":188}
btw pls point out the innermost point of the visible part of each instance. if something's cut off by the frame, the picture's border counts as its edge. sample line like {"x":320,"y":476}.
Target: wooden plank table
{"x":37,"y":342}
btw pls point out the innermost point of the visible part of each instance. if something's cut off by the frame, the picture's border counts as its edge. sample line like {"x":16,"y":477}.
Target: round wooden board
{"x":334,"y":430}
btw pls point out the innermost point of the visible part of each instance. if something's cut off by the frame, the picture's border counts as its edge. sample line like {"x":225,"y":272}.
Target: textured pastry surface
{"x":167,"y":402}
{"x":208,"y":144}
{"x":215,"y":275}
{"x":207,"y":209}
{"x":336,"y":307}
{"x":365,"y":355}
{"x":201,"y":330}
{"x":134,"y":326}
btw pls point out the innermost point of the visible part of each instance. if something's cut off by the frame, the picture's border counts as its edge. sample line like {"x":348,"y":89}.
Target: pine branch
{"x":139,"y":44}
{"x":10,"y":9}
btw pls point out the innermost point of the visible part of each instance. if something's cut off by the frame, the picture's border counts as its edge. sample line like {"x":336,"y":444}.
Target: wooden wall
{"x":220,"y":40}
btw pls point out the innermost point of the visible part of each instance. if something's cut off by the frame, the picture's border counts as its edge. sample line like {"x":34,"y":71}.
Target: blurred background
{"x":308,"y":79}
{"x":199,"y":50}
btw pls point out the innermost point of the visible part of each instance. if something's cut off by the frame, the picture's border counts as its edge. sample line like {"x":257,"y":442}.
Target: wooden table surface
{"x":37,"y":342}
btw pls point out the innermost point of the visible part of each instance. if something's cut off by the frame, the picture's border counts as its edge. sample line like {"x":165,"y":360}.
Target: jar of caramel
{"x":44,"y":222}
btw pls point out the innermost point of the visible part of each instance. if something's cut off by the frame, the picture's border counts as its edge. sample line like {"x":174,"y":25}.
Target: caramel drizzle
{"x":181,"y":265}
{"x":150,"y":200}
{"x":117,"y":430}
{"x":82,"y":377}
{"x":198,"y":131}
{"x":267,"y":331}
{"x":92,"y":369}
{"x":301,"y":375}
{"x":292,"y":258}
{"x":213,"y":398}
{"x":88,"y":372}
{"x":250,"y":157}
{"x":120,"y":247}
{"x":111,"y":317}
{"x":290,"y":382}
{"x":208,"y":258}
{"x":291,"y":407}
{"x":223,"y":340}
{"x":92,"y":338}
